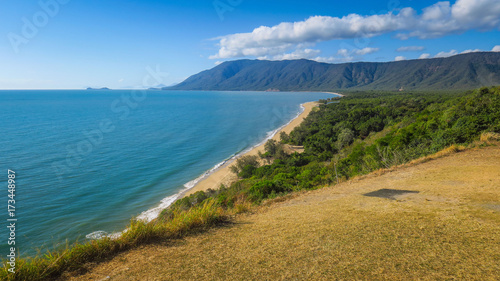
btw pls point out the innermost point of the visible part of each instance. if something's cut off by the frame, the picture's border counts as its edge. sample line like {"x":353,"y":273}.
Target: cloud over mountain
{"x":410,"y":49}
{"x":440,"y":19}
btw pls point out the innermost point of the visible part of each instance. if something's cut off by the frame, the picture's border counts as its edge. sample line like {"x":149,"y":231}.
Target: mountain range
{"x":464,"y":71}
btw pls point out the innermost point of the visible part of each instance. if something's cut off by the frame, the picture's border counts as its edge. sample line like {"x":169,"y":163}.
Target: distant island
{"x":464,"y":71}
{"x":103,"y":88}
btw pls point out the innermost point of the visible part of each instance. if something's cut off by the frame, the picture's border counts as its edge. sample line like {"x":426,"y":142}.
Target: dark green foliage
{"x":262,"y":190}
{"x":247,"y":171}
{"x":430,"y":124}
{"x":465,"y":71}
{"x":243,"y":163}
{"x":283,"y":137}
{"x":274,"y":150}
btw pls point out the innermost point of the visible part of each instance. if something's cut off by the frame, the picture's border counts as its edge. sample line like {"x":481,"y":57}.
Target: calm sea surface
{"x":89,"y":161}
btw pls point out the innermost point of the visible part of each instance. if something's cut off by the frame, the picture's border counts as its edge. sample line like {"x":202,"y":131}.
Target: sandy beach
{"x":224,"y":176}
{"x":337,"y":94}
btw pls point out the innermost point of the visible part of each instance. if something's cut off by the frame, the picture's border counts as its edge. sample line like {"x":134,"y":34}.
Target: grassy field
{"x":446,"y":226}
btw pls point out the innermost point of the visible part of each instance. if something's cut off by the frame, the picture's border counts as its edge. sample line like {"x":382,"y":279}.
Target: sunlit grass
{"x":52,"y":264}
{"x":449,"y":230}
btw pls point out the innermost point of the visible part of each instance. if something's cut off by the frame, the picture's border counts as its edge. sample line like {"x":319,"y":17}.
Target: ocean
{"x":88,"y":161}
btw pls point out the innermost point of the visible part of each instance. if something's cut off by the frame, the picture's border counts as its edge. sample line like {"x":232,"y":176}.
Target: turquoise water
{"x":89,"y":161}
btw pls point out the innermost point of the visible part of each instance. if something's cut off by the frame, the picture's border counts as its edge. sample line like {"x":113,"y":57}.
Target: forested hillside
{"x":466,"y":71}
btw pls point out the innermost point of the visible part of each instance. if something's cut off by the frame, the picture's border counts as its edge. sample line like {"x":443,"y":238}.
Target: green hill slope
{"x":466,"y":71}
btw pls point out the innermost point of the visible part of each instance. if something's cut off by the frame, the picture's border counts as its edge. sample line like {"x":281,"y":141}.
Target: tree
{"x":244,"y":161}
{"x":284,"y":137}
{"x":345,"y":138}
{"x":274,"y":150}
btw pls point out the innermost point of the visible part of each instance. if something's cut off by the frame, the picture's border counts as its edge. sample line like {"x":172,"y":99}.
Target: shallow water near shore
{"x":89,"y":161}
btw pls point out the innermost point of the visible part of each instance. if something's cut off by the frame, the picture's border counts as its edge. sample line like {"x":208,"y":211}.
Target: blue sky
{"x":72,"y":44}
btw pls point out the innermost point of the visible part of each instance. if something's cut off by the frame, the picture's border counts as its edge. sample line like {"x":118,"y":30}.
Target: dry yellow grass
{"x":450,"y":229}
{"x":490,"y":136}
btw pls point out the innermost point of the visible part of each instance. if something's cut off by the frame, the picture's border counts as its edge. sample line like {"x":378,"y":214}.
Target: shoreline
{"x":220,"y":173}
{"x":213,"y":178}
{"x":337,"y":94}
{"x":223,"y":175}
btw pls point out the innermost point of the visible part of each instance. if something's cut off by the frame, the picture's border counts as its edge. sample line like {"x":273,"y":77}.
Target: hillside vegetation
{"x":466,"y":71}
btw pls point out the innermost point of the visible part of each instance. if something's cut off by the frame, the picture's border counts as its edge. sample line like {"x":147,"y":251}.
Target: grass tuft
{"x":489,"y":137}
{"x":445,"y":152}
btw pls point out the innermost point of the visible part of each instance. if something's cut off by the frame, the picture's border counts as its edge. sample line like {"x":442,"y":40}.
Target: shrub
{"x":247,"y":171}
{"x":263,"y":189}
{"x":244,"y":161}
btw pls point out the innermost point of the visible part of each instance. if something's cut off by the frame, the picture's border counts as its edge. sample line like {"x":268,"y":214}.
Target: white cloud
{"x":334,"y":59}
{"x":437,"y":11}
{"x":399,"y":58}
{"x":218,"y":62}
{"x":437,"y":20}
{"x":297,"y":54}
{"x":446,"y":54}
{"x":470,"y":51}
{"x":496,"y":48}
{"x":410,"y":49}
{"x":342,"y":55}
{"x":285,"y":36}
{"x":442,"y":18}
{"x":345,"y":55}
{"x":366,"y":51}
{"x":480,"y":14}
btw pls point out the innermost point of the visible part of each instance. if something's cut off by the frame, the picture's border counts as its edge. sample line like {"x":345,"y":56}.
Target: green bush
{"x":242,"y":162}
